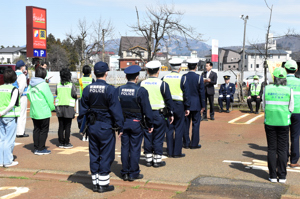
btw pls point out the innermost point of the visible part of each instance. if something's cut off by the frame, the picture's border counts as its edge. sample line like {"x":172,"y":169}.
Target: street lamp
{"x":243,"y":58}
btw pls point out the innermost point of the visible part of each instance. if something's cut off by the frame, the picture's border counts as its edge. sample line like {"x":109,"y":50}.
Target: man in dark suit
{"x":226,"y":93}
{"x":210,"y":79}
{"x":197,"y":98}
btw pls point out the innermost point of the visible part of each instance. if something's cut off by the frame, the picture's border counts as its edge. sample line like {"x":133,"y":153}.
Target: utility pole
{"x":243,"y":58}
{"x":103,"y":51}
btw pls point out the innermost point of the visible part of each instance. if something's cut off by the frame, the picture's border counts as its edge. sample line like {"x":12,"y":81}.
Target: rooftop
{"x":12,"y":49}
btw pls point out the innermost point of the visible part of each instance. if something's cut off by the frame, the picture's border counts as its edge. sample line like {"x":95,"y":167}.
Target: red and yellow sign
{"x":39,"y":39}
{"x":36,"y":27}
{"x":39,"y":18}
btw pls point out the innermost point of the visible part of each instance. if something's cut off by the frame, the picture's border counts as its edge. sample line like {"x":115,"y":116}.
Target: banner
{"x":272,"y":65}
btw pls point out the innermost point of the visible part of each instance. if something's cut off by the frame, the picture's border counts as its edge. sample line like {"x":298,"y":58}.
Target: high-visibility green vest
{"x":255,"y":91}
{"x":6,"y":93}
{"x":174,"y":80}
{"x":64,"y":97}
{"x":294,"y":83}
{"x":152,"y":85}
{"x":83,"y":82}
{"x":277,"y":100}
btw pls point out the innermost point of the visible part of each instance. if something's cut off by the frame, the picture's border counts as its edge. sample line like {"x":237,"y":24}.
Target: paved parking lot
{"x":233,"y":158}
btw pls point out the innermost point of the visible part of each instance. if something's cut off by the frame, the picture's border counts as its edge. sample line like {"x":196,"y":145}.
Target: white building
{"x":254,"y":59}
{"x":114,"y":62}
{"x":7,"y":55}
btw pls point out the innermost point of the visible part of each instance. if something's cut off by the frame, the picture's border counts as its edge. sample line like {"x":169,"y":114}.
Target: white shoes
{"x":283,"y":181}
{"x":14,"y":163}
{"x":273,"y":179}
{"x":85,"y":139}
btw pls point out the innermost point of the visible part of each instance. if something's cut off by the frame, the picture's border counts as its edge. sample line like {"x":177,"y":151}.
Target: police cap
{"x":226,"y":77}
{"x":19,"y":64}
{"x":192,"y":61}
{"x":100,"y":67}
{"x":175,"y":62}
{"x":153,"y":64}
{"x":132,"y":69}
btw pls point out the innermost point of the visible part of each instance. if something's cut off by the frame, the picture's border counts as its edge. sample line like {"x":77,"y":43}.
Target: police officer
{"x":21,"y":84}
{"x":101,"y":106}
{"x":226,"y":93}
{"x":181,"y":101}
{"x":279,"y":104}
{"x":294,"y":83}
{"x":197,"y":97}
{"x":136,"y":106}
{"x":255,"y":94}
{"x":162,"y":105}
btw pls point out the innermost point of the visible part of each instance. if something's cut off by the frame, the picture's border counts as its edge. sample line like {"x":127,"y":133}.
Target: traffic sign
{"x":39,"y":53}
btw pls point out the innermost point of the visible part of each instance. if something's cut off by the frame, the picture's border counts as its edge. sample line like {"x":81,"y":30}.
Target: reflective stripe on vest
{"x":6,"y":93}
{"x":294,"y":83}
{"x":83,"y":82}
{"x":152,"y":85}
{"x":255,"y":91}
{"x":277,"y":105}
{"x":64,"y":97}
{"x":174,"y":80}
{"x":15,"y":84}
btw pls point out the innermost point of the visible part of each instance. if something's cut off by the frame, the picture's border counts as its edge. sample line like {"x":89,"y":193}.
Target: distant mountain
{"x":289,"y":43}
{"x":177,"y":47}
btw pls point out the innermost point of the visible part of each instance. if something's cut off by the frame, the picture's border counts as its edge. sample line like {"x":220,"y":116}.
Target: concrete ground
{"x":230,"y":164}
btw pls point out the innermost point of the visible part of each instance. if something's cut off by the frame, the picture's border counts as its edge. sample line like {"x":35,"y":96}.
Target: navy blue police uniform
{"x":181,"y":103}
{"x":101,"y":106}
{"x":136,"y":109}
{"x":197,"y":98}
{"x":226,"y":93}
{"x":153,"y":142}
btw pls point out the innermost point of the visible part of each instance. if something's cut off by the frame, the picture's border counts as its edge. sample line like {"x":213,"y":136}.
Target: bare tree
{"x":162,"y":21}
{"x":91,"y":38}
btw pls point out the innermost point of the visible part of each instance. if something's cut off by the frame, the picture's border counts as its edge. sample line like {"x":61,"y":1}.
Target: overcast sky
{"x":215,"y":19}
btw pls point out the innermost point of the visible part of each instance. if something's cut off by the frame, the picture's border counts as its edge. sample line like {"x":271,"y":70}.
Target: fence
{"x":119,"y":78}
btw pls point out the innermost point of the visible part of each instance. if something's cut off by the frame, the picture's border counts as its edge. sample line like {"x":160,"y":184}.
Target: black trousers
{"x":40,"y":133}
{"x":252,"y":99}
{"x":294,"y":136}
{"x":277,"y":138}
{"x":211,"y":105}
{"x":64,"y":130}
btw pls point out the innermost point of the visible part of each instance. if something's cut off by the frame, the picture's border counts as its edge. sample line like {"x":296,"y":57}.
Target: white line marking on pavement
{"x":253,"y":119}
{"x":259,"y":165}
{"x":238,"y":118}
{"x":16,"y":143}
{"x":18,"y":191}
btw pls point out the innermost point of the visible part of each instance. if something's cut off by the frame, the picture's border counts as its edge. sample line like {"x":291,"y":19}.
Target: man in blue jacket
{"x":226,"y":93}
{"x":197,"y":98}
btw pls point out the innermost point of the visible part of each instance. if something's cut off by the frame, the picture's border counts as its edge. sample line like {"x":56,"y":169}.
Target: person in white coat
{"x":21,"y":85}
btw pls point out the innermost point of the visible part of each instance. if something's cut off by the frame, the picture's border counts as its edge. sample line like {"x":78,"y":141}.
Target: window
{"x":245,"y":56}
{"x":229,"y":66}
{"x":257,"y":65}
{"x":233,"y":66}
{"x":252,"y":56}
{"x":245,"y":66}
{"x":278,"y":56}
{"x":8,"y":60}
{"x":129,"y":63}
{"x":129,"y":54}
{"x":251,"y":65}
{"x":260,"y":56}
{"x":142,"y":53}
{"x":271,"y":56}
